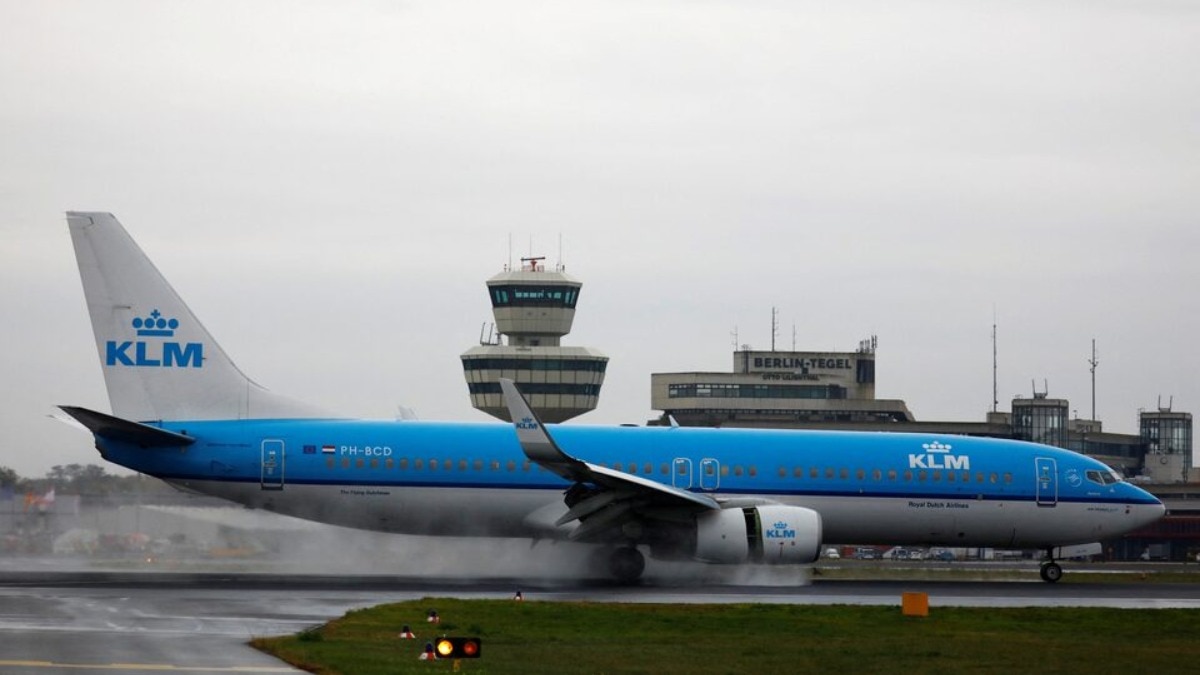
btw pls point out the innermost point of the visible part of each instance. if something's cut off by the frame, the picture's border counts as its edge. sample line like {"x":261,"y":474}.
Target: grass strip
{"x":579,"y":637}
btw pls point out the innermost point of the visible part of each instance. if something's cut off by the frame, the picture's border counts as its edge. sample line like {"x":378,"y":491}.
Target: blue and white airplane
{"x":183,"y":412}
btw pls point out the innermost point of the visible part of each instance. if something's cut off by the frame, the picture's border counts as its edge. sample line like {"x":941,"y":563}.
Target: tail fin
{"x":159,"y":363}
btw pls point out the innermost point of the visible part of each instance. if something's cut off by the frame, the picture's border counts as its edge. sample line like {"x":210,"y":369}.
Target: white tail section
{"x":159,"y":362}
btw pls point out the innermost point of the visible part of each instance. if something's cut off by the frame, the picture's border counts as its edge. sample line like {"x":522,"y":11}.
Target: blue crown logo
{"x":781,"y":525}
{"x":155,"y":325}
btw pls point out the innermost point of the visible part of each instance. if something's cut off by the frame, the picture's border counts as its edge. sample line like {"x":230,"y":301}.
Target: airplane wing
{"x":602,"y":499}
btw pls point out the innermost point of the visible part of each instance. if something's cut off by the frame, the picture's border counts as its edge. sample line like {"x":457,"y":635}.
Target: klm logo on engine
{"x":527,"y":423}
{"x":154,"y":353}
{"x":780,"y":531}
{"x":938,"y":456}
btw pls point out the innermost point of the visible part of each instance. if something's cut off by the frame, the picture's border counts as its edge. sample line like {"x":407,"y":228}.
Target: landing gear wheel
{"x":626,"y":564}
{"x":1051,"y":572}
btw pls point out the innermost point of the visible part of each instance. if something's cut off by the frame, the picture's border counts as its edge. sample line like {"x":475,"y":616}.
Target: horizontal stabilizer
{"x":125,"y":431}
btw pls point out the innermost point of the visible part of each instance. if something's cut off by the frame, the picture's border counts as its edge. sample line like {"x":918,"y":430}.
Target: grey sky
{"x":328,"y":184}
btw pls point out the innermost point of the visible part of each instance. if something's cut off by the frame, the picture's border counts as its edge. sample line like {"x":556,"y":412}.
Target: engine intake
{"x":771,"y":534}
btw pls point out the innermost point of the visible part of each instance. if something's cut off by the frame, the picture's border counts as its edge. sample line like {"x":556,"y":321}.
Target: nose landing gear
{"x":1051,"y":572}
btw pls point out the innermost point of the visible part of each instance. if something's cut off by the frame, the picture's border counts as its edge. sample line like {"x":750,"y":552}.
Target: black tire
{"x":1051,"y":572}
{"x":626,"y":564}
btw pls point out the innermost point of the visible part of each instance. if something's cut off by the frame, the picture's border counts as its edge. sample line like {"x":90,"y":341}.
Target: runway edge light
{"x":458,"y":647}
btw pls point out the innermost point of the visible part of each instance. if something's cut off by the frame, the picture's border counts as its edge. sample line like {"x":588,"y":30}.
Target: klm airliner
{"x":183,"y":412}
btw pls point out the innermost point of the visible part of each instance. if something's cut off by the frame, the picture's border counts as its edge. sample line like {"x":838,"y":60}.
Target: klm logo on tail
{"x":155,"y":354}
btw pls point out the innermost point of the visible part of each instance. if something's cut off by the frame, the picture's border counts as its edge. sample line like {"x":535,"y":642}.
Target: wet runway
{"x":72,"y":622}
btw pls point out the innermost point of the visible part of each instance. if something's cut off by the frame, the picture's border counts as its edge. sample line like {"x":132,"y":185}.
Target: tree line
{"x":89,"y":480}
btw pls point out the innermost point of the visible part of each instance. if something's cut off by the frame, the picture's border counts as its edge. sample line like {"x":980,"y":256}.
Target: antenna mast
{"x":1093,"y":362}
{"x":774,"y":326}
{"x":995,"y":389}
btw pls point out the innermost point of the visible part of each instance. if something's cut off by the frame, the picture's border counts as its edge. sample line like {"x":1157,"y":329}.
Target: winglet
{"x":534,"y":439}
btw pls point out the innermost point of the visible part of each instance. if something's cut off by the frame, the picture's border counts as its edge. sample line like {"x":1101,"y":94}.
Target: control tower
{"x":534,"y":308}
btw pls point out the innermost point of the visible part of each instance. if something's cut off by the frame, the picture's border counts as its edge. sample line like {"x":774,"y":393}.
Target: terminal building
{"x":534,"y":308}
{"x":836,"y":390}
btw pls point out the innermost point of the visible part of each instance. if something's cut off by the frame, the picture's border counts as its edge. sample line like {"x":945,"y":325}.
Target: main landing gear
{"x":1051,"y":571}
{"x":626,"y":564}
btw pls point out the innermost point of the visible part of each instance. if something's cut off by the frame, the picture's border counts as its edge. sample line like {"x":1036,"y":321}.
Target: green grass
{"x":566,"y":637}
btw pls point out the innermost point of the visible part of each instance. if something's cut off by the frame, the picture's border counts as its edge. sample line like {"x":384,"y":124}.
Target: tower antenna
{"x":774,"y":327}
{"x":1093,"y":362}
{"x":995,"y":387}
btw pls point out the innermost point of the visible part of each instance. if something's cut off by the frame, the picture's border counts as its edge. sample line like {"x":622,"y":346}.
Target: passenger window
{"x":448,"y":465}
{"x":908,"y":476}
{"x":753,"y":470}
{"x":478,"y":465}
{"x":951,"y":476}
{"x":682,"y":469}
{"x":724,"y":469}
{"x":495,"y":465}
{"x":891,"y":474}
{"x":812,"y":473}
{"x":433,"y":465}
{"x":783,"y":472}
{"x":737,"y":470}
{"x":389,"y":463}
{"x":403,"y":463}
{"x":844,"y":473}
{"x":798,"y":472}
{"x":992,"y":478}
{"x":664,"y":470}
{"x":462,"y":465}
{"x":512,"y":466}
{"x":829,"y":472}
{"x":922,"y":475}
{"x":374,"y":463}
{"x":359,"y":463}
{"x":1007,"y":478}
{"x":860,"y":474}
{"x":525,"y":466}
{"x":876,"y":475}
{"x":648,"y":468}
{"x":418,"y":464}
{"x":329,"y":463}
{"x":619,"y":466}
{"x":937,"y":476}
{"x":978,"y":476}
{"x":345,"y":462}
{"x":632,"y":467}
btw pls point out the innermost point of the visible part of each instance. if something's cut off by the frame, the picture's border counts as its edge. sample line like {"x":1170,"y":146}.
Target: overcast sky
{"x":329,"y":184}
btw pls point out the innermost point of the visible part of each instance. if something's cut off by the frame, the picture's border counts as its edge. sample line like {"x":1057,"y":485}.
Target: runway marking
{"x":161,"y":667}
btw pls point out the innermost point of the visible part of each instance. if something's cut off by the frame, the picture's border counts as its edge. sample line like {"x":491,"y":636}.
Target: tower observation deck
{"x":533,"y":309}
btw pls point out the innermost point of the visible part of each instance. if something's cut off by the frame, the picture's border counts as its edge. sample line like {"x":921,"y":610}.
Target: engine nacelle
{"x":770,"y":534}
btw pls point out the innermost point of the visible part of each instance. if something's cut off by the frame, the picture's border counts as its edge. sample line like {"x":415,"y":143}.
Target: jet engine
{"x":771,"y":534}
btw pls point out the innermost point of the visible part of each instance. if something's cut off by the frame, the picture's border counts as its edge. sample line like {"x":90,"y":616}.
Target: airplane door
{"x":272,"y":464}
{"x":681,"y":473}
{"x":1046,"y":475}
{"x":710,"y":474}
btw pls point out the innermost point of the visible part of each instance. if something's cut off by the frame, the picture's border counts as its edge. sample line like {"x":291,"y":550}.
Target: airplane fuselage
{"x":474,"y":479}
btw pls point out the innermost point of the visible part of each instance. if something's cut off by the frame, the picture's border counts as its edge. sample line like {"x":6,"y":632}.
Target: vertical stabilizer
{"x":159,"y":362}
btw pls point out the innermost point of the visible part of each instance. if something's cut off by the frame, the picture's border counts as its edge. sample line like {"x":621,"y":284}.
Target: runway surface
{"x":131,"y":622}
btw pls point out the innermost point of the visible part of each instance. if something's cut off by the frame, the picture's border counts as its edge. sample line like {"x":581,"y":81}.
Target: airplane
{"x":184,"y":413}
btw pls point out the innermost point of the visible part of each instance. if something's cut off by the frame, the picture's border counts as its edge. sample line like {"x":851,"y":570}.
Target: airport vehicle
{"x":183,"y":412}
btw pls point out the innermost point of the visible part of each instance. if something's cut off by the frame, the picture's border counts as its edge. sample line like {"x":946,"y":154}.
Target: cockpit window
{"x":1103,"y":477}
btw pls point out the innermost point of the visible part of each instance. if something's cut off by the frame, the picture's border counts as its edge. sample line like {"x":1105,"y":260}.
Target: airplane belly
{"x":403,"y":510}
